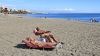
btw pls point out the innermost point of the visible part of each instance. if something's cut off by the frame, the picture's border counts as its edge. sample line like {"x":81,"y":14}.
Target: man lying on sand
{"x":44,"y":34}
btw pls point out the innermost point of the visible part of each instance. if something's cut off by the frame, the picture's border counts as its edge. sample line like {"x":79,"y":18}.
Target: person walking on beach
{"x":5,"y":11}
{"x":91,"y":19}
{"x":45,"y":17}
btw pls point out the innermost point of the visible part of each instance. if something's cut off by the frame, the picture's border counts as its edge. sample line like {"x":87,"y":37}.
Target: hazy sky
{"x":66,"y":6}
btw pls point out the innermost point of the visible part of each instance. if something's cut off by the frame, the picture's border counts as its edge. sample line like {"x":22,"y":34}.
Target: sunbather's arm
{"x":42,"y":32}
{"x":47,"y":31}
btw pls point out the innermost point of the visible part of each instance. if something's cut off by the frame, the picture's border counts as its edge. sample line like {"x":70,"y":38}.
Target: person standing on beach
{"x":92,"y":20}
{"x":95,"y":20}
{"x":45,"y":17}
{"x":5,"y":11}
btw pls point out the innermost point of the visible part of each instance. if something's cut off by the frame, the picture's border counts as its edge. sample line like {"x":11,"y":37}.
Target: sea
{"x":68,"y":16}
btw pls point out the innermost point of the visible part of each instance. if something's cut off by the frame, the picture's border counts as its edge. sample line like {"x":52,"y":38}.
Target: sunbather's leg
{"x":47,"y":44}
{"x":50,"y":37}
{"x":53,"y":38}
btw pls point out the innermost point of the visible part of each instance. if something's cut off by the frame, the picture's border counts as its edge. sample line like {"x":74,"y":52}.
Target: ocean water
{"x":72,"y":16}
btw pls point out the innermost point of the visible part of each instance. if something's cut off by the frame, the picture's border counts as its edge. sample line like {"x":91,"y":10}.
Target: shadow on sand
{"x":24,"y":46}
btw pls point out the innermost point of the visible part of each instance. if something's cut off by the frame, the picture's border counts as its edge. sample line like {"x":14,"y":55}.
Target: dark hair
{"x":37,"y":28}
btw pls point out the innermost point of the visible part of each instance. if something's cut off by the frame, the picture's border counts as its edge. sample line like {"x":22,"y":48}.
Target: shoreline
{"x":80,"y":38}
{"x":69,"y":16}
{"x":24,"y":16}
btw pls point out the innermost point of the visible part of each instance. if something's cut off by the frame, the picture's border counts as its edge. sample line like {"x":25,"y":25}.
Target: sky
{"x":55,"y":6}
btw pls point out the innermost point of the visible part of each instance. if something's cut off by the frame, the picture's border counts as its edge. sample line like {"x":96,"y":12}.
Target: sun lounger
{"x":35,"y":46}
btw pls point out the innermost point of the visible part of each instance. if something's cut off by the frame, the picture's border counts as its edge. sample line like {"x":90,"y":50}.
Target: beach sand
{"x":80,"y":38}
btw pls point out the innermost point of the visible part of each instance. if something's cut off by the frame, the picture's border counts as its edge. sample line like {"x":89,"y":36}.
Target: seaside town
{"x":19,"y":11}
{"x":14,"y":10}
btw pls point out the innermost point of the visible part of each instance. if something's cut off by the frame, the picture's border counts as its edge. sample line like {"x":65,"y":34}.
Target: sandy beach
{"x":80,"y":38}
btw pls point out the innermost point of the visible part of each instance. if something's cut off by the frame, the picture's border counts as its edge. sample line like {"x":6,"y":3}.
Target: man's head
{"x":37,"y":28}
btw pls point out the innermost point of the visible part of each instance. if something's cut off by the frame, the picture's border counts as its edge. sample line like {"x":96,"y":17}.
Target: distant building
{"x":1,"y":8}
{"x":14,"y":10}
